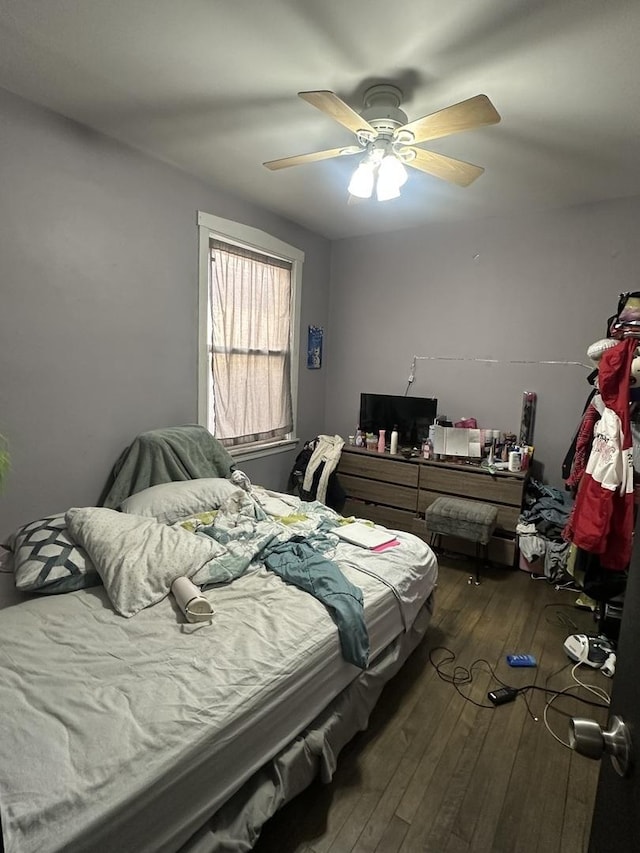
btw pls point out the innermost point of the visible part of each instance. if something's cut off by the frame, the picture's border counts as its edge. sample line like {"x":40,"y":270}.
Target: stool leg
{"x":480,"y":549}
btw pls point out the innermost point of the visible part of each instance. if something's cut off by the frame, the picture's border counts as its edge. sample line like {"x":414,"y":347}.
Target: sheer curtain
{"x":250,"y":335}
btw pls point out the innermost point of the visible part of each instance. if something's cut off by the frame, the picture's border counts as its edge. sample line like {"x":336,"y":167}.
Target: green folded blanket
{"x":164,"y":455}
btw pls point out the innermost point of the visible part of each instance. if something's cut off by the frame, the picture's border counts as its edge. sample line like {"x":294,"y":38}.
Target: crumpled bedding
{"x":139,"y":558}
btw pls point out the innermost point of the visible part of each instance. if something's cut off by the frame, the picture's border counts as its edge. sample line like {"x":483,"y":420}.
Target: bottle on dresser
{"x":381,"y":440}
{"x":393,"y":449}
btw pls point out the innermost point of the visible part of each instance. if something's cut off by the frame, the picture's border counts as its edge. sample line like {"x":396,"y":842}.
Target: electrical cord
{"x":461,"y":674}
{"x":562,"y":620}
{"x":591,"y":688}
{"x":464,"y":675}
{"x":549,"y":704}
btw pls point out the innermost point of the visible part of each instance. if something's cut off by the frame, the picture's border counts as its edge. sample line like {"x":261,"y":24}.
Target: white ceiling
{"x":210,"y":86}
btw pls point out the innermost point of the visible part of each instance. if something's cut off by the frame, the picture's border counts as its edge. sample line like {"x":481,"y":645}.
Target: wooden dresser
{"x":395,"y":492}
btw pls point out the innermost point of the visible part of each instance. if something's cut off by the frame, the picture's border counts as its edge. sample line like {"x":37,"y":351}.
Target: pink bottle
{"x":381,"y":441}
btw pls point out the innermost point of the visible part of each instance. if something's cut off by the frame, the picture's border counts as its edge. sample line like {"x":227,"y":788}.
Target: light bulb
{"x":391,"y":176}
{"x":385,"y":190}
{"x":361,"y":184}
{"x":392,"y":169}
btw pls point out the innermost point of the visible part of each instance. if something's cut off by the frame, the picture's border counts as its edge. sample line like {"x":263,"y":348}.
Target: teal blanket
{"x":162,"y":456}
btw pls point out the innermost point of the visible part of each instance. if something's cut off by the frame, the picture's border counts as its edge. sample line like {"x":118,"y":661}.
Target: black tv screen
{"x":412,"y":415}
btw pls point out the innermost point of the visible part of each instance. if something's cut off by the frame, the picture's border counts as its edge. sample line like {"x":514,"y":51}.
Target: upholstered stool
{"x":471,"y":520}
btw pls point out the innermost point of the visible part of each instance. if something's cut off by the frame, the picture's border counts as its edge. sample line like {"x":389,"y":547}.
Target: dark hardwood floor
{"x":436,"y":773}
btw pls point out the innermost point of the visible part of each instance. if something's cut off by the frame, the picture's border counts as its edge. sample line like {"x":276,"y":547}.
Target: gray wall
{"x":535,"y":288}
{"x":98,"y":306}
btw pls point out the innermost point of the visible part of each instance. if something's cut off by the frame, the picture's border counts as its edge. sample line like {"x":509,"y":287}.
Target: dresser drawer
{"x":375,"y":491}
{"x":472,"y":484}
{"x":395,"y":519}
{"x":380,"y":468}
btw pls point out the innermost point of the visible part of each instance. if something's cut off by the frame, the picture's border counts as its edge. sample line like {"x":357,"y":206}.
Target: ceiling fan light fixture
{"x":361,"y":184}
{"x":386,"y":138}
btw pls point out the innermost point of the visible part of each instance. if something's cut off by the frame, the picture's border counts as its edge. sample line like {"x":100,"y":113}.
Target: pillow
{"x":138,"y":558}
{"x":169,"y":502}
{"x":46,"y":560}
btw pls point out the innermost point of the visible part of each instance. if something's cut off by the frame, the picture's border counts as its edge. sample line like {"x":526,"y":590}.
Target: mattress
{"x":128,"y":734}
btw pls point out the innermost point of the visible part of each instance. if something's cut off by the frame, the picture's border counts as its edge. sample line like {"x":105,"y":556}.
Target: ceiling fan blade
{"x":299,"y":159}
{"x":335,"y":108}
{"x":474,"y":112}
{"x":456,"y":171}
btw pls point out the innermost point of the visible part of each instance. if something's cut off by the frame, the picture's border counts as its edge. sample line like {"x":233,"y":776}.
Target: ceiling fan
{"x":386,"y":139}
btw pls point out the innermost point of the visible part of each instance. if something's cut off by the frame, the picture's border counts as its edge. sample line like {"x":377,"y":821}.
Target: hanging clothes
{"x":326,"y":454}
{"x":584,"y":442}
{"x":602,"y":521}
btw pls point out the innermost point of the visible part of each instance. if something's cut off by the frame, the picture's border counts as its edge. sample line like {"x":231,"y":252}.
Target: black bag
{"x":296,"y":476}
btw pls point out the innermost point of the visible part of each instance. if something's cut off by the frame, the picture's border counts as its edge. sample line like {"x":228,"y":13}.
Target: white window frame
{"x":215,"y":227}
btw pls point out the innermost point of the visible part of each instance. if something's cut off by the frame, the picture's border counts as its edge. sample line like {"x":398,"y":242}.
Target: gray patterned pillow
{"x":46,"y":560}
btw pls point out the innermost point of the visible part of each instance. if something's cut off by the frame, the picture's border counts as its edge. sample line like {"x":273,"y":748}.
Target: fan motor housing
{"x":381,"y":108}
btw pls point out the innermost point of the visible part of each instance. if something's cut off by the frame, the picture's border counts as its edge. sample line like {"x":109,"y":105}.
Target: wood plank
{"x":393,"y":837}
{"x":405,"y":734}
{"x":444,"y":797}
{"x":433,"y":772}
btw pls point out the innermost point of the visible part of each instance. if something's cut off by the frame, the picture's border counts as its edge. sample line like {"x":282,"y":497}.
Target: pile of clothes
{"x":543,"y":549}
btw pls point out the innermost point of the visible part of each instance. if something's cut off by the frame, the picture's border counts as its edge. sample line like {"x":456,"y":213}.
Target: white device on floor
{"x":593,"y":650}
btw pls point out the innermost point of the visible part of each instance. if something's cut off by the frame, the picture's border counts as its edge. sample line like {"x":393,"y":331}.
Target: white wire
{"x":598,"y":691}
{"x":495,"y":361}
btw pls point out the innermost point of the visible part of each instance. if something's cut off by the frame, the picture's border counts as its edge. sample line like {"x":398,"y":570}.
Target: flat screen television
{"x":412,"y":415}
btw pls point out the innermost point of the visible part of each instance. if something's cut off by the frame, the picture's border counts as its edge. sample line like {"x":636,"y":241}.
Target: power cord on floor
{"x":591,"y":688}
{"x":562,"y":620}
{"x":461,"y":675}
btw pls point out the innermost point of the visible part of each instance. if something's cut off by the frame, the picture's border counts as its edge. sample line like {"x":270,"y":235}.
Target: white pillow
{"x":169,"y":502}
{"x":137,"y":558}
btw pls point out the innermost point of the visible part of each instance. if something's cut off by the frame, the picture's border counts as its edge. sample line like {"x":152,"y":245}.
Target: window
{"x":249,"y":341}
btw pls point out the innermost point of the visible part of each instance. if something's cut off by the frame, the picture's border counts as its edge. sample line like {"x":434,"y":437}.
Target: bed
{"x":140,"y":731}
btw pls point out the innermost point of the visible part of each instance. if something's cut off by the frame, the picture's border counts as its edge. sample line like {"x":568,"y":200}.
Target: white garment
{"x":327,"y":450}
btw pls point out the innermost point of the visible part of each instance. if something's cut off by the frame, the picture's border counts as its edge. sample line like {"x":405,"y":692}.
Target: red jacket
{"x":602,"y":519}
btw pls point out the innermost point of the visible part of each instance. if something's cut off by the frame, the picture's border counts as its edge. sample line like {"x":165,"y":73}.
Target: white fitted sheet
{"x":126,"y":734}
